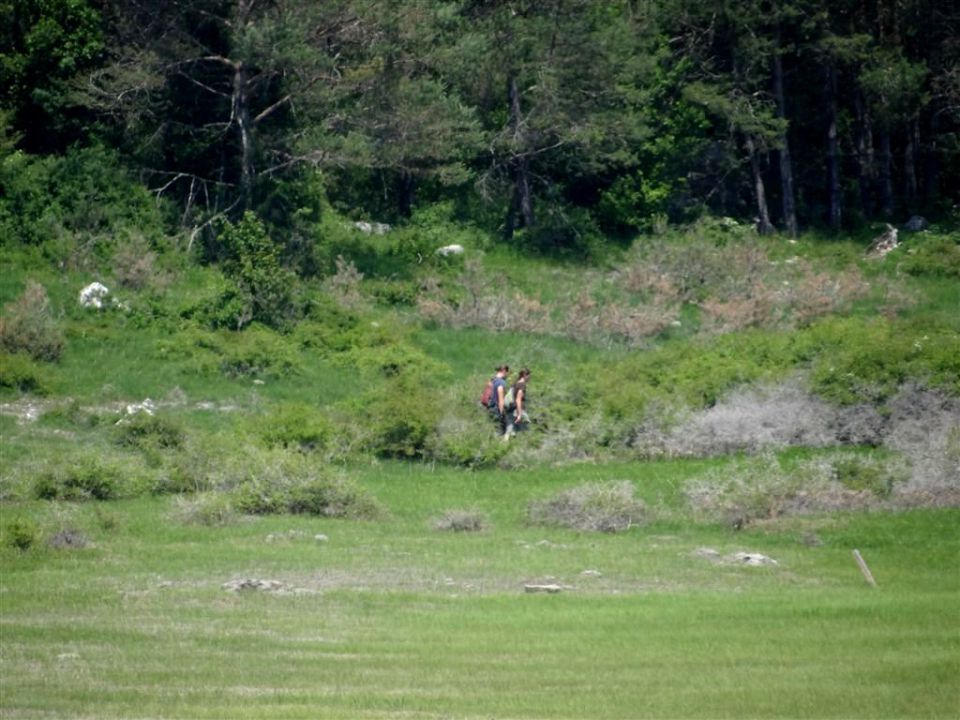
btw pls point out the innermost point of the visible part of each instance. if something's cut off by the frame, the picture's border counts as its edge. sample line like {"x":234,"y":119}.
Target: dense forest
{"x":551,"y":123}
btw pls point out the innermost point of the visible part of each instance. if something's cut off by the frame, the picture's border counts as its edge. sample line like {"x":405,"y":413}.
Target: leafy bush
{"x":398,"y":419}
{"x":260,"y":288}
{"x":150,"y":432}
{"x":470,"y":442}
{"x":296,"y":426}
{"x":21,"y":372}
{"x":22,"y":533}
{"x":603,"y":507}
{"x":255,"y":352}
{"x":295,"y":487}
{"x":937,"y":256}
{"x":84,"y":478}
{"x":84,"y":194}
{"x":28,"y":326}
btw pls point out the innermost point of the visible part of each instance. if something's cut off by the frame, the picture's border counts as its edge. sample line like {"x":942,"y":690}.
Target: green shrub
{"x":289,"y":484}
{"x":467,"y":442}
{"x":257,"y":351}
{"x":28,"y":326}
{"x":85,"y":478}
{"x":866,"y":473}
{"x":22,"y":533}
{"x":84,"y":194}
{"x":937,"y":256}
{"x":20,"y":372}
{"x":295,"y":426}
{"x":150,"y":432}
{"x":261,"y":289}
{"x":399,"y":418}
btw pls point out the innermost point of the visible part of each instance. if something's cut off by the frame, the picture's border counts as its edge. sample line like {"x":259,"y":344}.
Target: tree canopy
{"x":548,"y":122}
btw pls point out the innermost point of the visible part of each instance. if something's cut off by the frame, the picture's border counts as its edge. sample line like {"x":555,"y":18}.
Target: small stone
{"x":752,"y":559}
{"x":551,"y":588}
{"x":320,"y":538}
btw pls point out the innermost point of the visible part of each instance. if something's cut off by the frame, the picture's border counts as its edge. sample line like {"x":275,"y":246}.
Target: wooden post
{"x":868,"y":576}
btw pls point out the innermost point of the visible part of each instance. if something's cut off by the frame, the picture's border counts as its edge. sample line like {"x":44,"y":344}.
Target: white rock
{"x":372,"y":228}
{"x":753,"y":559}
{"x":447,"y":250}
{"x":551,"y":588}
{"x":147,"y":406}
{"x":94,"y":295}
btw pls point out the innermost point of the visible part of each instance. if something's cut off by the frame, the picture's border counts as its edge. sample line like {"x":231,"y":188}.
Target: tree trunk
{"x":886,"y":175}
{"x":833,"y":151}
{"x":866,"y":160}
{"x":405,"y":193}
{"x":786,"y":165}
{"x":764,"y":226}
{"x":241,"y":116}
{"x":520,"y":168}
{"x":931,"y":160}
{"x":910,"y":164}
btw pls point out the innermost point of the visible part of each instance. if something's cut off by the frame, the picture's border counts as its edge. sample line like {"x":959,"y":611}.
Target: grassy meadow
{"x":315,"y":520}
{"x":392,"y":618}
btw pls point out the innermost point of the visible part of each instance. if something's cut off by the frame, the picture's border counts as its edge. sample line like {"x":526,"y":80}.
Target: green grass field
{"x":390,"y":618}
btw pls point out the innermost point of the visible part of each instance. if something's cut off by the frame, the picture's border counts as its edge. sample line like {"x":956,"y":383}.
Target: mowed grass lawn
{"x":391,"y":618}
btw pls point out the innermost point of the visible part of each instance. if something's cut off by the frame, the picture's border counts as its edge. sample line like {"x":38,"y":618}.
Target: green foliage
{"x":21,"y":372}
{"x":82,"y":478}
{"x":43,"y":45}
{"x":76,"y":204}
{"x":398,"y":419}
{"x":867,"y":361}
{"x":467,"y":442}
{"x":261,"y":290}
{"x":399,"y":253}
{"x":295,"y":487}
{"x":938,"y":256}
{"x":22,"y":533}
{"x":296,"y":426}
{"x":257,"y":352}
{"x":150,"y":432}
{"x":867,"y":473}
{"x":28,"y":326}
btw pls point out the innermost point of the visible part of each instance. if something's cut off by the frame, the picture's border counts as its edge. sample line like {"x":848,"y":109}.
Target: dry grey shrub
{"x":69,"y":539}
{"x":924,"y":425}
{"x":344,"y":285}
{"x":486,"y":303}
{"x":598,"y":507}
{"x":135,"y":265}
{"x":207,"y":508}
{"x":752,"y":419}
{"x":756,"y":418}
{"x":461,"y":521}
{"x":28,"y":325}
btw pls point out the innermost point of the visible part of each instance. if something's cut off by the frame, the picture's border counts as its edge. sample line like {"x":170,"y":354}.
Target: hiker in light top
{"x":517,"y":418}
{"x":497,"y":408}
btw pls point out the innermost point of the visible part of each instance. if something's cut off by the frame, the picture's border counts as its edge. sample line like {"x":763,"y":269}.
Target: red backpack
{"x":487,"y":393}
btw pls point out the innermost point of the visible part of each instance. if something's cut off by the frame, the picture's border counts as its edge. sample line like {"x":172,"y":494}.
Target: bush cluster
{"x":766,"y":487}
{"x":600,"y":507}
{"x":28,"y":326}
